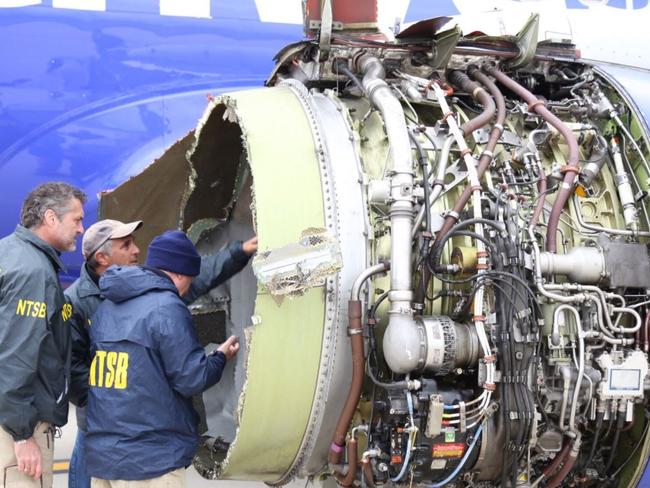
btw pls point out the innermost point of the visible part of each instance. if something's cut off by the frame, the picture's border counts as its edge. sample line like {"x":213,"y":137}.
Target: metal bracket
{"x":325,"y":40}
{"x":336,"y":25}
{"x":526,"y":41}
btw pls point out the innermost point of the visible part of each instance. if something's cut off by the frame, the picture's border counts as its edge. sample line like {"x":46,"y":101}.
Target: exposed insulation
{"x":298,"y":266}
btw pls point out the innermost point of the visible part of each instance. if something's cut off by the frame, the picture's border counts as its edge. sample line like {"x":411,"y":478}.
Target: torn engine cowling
{"x":477,"y":233}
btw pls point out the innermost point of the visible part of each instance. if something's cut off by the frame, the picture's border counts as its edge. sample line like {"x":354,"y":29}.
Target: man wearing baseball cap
{"x":109,"y":243}
{"x":147,"y":363}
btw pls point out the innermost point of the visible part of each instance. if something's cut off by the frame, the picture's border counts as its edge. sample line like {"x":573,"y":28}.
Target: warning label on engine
{"x":455,"y":450}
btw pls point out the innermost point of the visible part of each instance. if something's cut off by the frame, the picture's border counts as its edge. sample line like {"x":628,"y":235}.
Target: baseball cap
{"x":100,"y":232}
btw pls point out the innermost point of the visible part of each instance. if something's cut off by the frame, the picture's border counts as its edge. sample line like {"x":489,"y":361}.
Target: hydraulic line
{"x":487,"y":155}
{"x":541,"y":189}
{"x":411,"y":440}
{"x":454,"y":473}
{"x":570,"y":170}
{"x":348,"y":478}
{"x":355,"y":331}
{"x":553,"y":465}
{"x":423,"y":160}
{"x":594,"y":443}
{"x":569,"y":461}
{"x":617,"y":435}
{"x":461,"y":80}
{"x":439,"y":181}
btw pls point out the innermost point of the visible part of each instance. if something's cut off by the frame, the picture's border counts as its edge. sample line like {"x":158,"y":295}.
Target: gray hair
{"x":55,"y":196}
{"x":105,"y":248}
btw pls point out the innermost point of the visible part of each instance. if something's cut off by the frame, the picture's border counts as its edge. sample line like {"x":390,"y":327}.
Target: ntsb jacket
{"x":147,"y":363}
{"x":34,"y":335}
{"x":84,"y":296}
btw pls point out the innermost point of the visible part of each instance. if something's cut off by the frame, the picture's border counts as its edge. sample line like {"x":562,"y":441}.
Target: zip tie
{"x":463,"y":417}
{"x":439,"y":183}
{"x":454,"y":215}
{"x":476,"y":91}
{"x":569,"y":169}
{"x":499,"y":126}
{"x":487,"y":153}
{"x":482,"y":254}
{"x":336,"y":448}
{"x":490,"y":359}
{"x":465,"y":152}
{"x":481,"y":266}
{"x":532,"y":105}
{"x":478,"y":318}
{"x":447,"y":115}
{"x":477,"y":188}
{"x":489,"y":386}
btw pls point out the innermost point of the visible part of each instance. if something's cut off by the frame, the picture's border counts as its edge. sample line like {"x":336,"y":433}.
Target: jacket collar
{"x":28,"y":236}
{"x":87,"y":286}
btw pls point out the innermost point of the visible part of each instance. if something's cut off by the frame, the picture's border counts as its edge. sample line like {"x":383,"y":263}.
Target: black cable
{"x":436,"y":250}
{"x":342,"y":67}
{"x":632,"y":452}
{"x":617,"y":435}
{"x":423,"y":160}
{"x":594,"y":444}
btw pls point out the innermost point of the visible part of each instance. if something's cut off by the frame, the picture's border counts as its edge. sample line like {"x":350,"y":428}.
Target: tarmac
{"x":63,"y":450}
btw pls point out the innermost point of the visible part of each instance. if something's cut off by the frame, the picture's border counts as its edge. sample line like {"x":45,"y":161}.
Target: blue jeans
{"x":77,"y":474}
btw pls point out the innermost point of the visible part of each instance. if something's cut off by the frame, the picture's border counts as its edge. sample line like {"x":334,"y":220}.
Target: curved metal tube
{"x":565,"y":371}
{"x":606,"y":230}
{"x":581,"y":363}
{"x":401,"y":325}
{"x":401,"y":210}
{"x":355,"y":292}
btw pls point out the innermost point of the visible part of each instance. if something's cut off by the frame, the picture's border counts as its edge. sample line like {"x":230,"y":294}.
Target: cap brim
{"x":125,"y":229}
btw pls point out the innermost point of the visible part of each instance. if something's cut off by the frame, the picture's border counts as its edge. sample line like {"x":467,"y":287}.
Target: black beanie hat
{"x":173,"y":251}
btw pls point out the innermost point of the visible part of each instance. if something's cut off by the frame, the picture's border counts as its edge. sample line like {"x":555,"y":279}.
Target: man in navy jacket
{"x":147,"y":363}
{"x":107,"y":243}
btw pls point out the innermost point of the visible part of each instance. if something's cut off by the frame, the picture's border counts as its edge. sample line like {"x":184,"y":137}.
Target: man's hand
{"x":250,"y":246}
{"x":230,"y":347}
{"x":30,"y":460}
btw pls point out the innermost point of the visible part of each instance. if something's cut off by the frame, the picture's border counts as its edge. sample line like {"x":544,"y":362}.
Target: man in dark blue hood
{"x":147,"y":363}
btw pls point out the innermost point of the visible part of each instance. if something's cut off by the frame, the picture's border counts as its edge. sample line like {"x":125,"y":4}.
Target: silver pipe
{"x":619,"y":122}
{"x":440,"y":176}
{"x":355,"y":293}
{"x":539,"y":280}
{"x":625,"y":193}
{"x":580,"y":264}
{"x":402,"y":344}
{"x":401,"y":210}
{"x":581,"y":362}
{"x":596,"y":228}
{"x":565,"y":371}
{"x":627,"y":330}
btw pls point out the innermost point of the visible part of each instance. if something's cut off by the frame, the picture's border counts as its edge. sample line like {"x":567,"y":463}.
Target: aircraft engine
{"x":453,"y":282}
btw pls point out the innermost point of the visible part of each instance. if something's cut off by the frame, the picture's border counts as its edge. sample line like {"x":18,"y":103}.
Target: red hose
{"x":356,"y":340}
{"x":570,"y":170}
{"x":485,"y":159}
